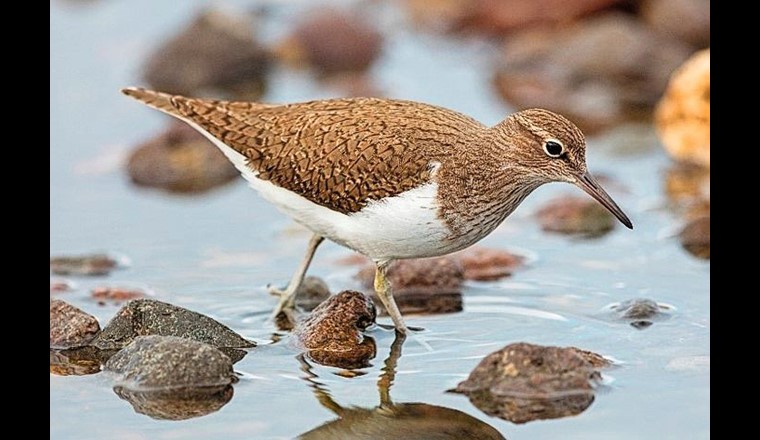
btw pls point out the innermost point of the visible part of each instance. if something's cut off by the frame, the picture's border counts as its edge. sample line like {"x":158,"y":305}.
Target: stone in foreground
{"x":142,"y":317}
{"x":333,"y":334}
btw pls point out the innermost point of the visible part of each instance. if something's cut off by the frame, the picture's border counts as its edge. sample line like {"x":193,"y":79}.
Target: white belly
{"x":403,"y":226}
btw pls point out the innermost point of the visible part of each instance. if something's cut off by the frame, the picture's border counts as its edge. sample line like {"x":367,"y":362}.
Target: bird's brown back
{"x":339,"y":153}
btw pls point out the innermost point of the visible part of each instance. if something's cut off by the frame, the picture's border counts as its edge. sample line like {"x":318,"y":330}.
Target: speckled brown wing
{"x":336,"y":153}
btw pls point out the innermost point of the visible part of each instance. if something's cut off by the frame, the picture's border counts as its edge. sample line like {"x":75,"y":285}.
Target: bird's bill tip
{"x":589,"y":184}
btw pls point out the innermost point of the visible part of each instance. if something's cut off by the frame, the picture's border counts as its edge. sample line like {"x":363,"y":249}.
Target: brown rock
{"x":332,"y":41}
{"x":598,"y":72}
{"x":179,"y":160}
{"x":575,"y":215}
{"x":499,"y":16}
{"x":115,"y":295}
{"x":524,"y":382}
{"x":485,"y":264}
{"x":428,"y":286}
{"x":70,"y":326}
{"x":695,"y":237}
{"x":58,"y":286}
{"x":686,"y":20}
{"x":91,"y":265}
{"x":683,"y":114}
{"x":142,"y":317}
{"x":333,"y":333}
{"x":216,"y":52}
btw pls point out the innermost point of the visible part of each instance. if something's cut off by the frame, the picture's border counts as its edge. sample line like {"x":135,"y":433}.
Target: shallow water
{"x":215,"y":253}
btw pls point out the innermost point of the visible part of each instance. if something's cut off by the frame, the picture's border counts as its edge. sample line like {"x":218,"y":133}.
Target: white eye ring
{"x":553,"y":148}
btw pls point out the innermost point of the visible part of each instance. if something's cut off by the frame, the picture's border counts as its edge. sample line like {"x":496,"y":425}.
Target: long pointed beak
{"x":592,"y":187}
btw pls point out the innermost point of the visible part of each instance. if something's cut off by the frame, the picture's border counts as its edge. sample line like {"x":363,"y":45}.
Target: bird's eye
{"x":553,"y":148}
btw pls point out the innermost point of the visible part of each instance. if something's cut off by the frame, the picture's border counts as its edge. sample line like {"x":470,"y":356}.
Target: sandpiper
{"x":390,"y":179}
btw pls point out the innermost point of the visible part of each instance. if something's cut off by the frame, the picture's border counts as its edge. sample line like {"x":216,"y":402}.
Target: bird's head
{"x":549,"y":148}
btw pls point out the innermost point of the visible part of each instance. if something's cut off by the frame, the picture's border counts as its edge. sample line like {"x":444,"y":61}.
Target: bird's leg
{"x":383,"y":290}
{"x":287,"y":296}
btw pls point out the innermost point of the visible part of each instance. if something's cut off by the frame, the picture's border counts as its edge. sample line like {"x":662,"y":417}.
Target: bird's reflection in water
{"x":388,"y":420}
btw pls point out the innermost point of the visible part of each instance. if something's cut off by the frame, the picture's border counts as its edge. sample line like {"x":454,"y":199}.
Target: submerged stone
{"x":695,"y":237}
{"x":143,"y":317}
{"x":524,"y":382}
{"x":487,"y":264}
{"x":640,"y":313}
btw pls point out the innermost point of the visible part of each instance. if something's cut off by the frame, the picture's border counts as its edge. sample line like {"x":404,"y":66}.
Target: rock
{"x":639,"y":312}
{"x":70,"y":326}
{"x":575,"y":215}
{"x":524,"y":382}
{"x":331,"y":41}
{"x":496,"y":17}
{"x":115,"y":295}
{"x":599,"y":72}
{"x":311,"y":293}
{"x":695,"y":237}
{"x":179,"y":160}
{"x":683,"y":114}
{"x":686,"y":20}
{"x":167,"y":362}
{"x":79,"y":361}
{"x":173,"y":378}
{"x":180,"y":404}
{"x":486,"y":264}
{"x":90,"y":265}
{"x":333,"y":334}
{"x":142,"y":317}
{"x":428,"y":285}
{"x":216,"y":52}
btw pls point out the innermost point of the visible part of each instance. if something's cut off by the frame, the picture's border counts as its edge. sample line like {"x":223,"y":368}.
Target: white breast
{"x":403,"y":226}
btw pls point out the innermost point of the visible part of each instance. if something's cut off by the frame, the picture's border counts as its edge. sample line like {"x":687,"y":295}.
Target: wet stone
{"x":115,"y":295}
{"x":421,"y":286}
{"x":695,"y":237}
{"x":179,"y":160}
{"x":143,"y":317}
{"x":575,"y":215}
{"x":524,"y":382}
{"x":70,"y":326}
{"x":333,"y":333}
{"x":217,"y":52}
{"x":152,"y":363}
{"x":60,"y":286}
{"x":90,"y":265}
{"x":686,"y":184}
{"x":332,"y":41}
{"x":486,"y":264}
{"x":311,"y":293}
{"x":640,"y":313}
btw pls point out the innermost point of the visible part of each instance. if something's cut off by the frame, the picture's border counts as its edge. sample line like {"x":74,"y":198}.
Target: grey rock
{"x":143,"y":317}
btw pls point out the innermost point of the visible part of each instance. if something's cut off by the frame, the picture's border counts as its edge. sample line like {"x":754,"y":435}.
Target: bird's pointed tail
{"x":159,"y":100}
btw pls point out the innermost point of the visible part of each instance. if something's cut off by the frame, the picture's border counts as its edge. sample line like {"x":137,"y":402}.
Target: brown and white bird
{"x":390,"y":179}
